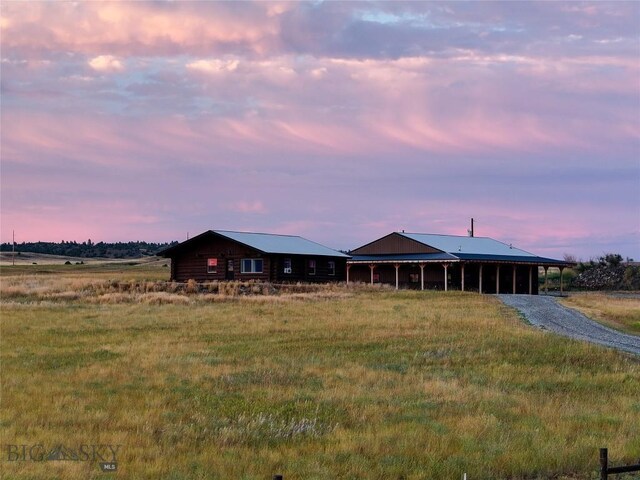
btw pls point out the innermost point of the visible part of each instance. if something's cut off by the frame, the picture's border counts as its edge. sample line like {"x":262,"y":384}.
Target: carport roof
{"x":467,"y":245}
{"x":404,"y":258}
{"x":455,"y":248}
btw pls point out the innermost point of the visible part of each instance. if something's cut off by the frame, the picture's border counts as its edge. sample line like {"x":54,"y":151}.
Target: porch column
{"x":497,"y":279}
{"x":480,"y":282}
{"x":530,"y":280}
{"x":422,"y":276}
{"x":348,"y":267}
{"x":446,"y":276}
{"x":561,"y":269}
{"x":462,"y":274}
{"x":397,"y":265}
{"x":514,"y":279}
{"x":371,"y":267}
{"x":546,"y":280}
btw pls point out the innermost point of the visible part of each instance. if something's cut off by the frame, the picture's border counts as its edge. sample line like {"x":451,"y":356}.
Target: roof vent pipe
{"x":470,"y":232}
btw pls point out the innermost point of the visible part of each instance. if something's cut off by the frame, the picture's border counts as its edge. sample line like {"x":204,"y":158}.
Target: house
{"x":416,"y":260}
{"x":225,"y":255}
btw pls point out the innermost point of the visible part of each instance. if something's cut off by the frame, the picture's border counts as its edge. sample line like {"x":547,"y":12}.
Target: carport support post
{"x":530,"y":280}
{"x":514,"y":279}
{"x":497,"y":279}
{"x":422,"y":276}
{"x":462,"y":275}
{"x":446,"y":276}
{"x":480,"y":280}
{"x":348,"y":267}
{"x":546,"y":280}
{"x":372,"y":266}
{"x":561,"y":269}
{"x":397,"y":265}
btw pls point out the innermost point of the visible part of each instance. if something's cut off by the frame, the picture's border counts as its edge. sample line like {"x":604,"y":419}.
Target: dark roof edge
{"x":166,"y":252}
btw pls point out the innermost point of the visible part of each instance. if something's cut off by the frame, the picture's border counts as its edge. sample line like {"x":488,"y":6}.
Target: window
{"x":251,"y":265}
{"x":331,"y":267}
{"x":287,"y":265}
{"x":312,"y":267}
{"x":212,"y":265}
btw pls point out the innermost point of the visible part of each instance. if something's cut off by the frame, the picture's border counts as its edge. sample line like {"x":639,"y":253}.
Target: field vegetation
{"x":619,"y":311}
{"x":242,"y":381}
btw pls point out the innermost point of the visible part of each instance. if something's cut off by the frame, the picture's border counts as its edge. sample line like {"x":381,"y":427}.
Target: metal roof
{"x":456,"y":248}
{"x":529,"y":259}
{"x":468,"y":245}
{"x":281,"y":244}
{"x":403,"y":258}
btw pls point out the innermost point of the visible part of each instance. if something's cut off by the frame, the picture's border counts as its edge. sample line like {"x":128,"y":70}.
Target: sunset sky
{"x":340,"y":122}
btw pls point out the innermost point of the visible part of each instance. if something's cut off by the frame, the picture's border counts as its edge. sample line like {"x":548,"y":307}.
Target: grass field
{"x":331,"y":384}
{"x":620,"y":312}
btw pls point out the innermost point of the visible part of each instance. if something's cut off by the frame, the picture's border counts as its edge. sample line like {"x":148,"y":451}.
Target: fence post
{"x":604,"y":464}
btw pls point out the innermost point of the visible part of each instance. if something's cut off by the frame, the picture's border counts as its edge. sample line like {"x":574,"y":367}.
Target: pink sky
{"x":340,"y":122}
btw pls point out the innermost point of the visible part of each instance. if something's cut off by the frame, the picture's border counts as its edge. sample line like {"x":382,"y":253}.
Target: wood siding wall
{"x":192,"y":264}
{"x":393,"y":244}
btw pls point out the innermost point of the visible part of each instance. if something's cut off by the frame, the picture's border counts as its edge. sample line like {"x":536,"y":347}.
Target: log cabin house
{"x":226,"y":255}
{"x":427,"y":261}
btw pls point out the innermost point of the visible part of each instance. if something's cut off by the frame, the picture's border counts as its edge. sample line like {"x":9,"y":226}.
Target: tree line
{"x":89,"y":249}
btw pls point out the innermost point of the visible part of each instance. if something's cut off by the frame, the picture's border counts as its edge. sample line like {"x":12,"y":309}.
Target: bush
{"x":631,"y":278}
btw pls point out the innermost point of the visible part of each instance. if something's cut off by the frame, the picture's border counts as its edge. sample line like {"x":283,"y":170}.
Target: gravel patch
{"x":545,"y":312}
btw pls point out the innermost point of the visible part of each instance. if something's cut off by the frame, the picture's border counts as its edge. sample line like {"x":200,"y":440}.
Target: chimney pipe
{"x":472,"y":227}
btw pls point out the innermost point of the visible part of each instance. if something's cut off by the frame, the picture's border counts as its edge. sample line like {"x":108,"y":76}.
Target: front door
{"x":229,"y":275}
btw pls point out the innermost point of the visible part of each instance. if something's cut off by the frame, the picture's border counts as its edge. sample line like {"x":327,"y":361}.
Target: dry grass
{"x":321,"y":383}
{"x":620,"y":312}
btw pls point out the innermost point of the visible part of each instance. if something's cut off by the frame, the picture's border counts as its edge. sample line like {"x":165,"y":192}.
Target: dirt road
{"x":545,"y":312}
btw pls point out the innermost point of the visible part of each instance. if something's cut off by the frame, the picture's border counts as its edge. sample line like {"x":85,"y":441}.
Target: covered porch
{"x":452,"y":274}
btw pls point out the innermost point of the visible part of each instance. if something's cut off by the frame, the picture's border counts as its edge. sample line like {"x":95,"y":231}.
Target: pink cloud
{"x":498,"y":114}
{"x":106,"y":63}
{"x":126,"y":27}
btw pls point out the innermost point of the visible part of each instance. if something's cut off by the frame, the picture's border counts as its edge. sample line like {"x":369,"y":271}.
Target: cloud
{"x":142,"y":27}
{"x":214,"y":66}
{"x":380,"y":116}
{"x":106,"y":63}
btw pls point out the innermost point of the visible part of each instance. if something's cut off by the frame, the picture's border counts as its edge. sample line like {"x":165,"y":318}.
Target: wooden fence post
{"x":604,"y":464}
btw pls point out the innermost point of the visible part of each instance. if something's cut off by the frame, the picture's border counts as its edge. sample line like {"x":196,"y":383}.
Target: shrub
{"x":631,"y":277}
{"x":192,"y":286}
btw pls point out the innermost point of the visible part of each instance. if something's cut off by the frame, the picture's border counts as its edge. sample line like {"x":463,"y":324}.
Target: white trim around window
{"x":251,"y":265}
{"x":212,"y":265}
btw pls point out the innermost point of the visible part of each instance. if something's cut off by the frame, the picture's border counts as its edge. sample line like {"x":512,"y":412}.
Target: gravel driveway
{"x":545,"y":312}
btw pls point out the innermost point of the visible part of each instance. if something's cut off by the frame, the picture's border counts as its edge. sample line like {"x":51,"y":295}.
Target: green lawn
{"x":347,"y":383}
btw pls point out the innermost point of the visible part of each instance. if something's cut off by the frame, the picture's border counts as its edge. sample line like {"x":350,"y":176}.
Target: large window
{"x":251,"y":265}
{"x":312,"y":267}
{"x":331,"y":267}
{"x":212,"y":265}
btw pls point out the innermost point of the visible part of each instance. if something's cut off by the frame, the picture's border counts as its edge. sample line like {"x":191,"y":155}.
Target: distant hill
{"x":89,"y":249}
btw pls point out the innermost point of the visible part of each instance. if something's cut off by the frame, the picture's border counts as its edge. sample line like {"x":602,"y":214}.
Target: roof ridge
{"x":442,"y":235}
{"x":260,"y":233}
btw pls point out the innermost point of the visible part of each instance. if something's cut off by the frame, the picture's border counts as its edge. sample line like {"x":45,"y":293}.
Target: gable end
{"x":394,"y":243}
